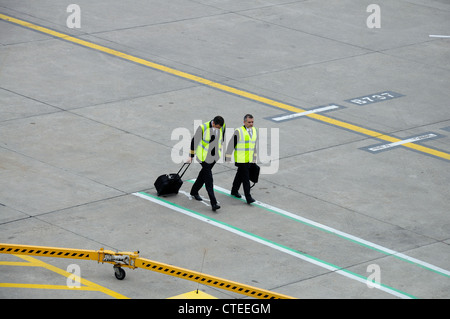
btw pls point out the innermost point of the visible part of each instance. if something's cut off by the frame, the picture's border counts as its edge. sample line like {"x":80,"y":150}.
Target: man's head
{"x":218,"y":122}
{"x":248,"y":121}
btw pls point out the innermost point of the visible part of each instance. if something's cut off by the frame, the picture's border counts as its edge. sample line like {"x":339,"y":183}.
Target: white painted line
{"x":439,"y":36}
{"x":409,"y":140}
{"x":344,"y":235}
{"x":203,"y":201}
{"x":294,"y":115}
{"x":271,"y":244}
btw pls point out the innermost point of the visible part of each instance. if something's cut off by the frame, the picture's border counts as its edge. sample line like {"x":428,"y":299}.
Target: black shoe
{"x":236,"y":194}
{"x":250,"y":200}
{"x":197,"y":197}
{"x":215,"y":207}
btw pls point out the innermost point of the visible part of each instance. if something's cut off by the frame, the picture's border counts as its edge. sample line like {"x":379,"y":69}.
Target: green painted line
{"x":272,"y":244}
{"x":348,"y":237}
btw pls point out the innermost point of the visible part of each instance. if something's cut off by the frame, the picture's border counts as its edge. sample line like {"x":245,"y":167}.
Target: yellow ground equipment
{"x":132,"y":260}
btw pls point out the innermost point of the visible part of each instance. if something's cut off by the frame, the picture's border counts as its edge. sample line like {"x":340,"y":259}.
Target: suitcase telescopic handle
{"x":184,"y":164}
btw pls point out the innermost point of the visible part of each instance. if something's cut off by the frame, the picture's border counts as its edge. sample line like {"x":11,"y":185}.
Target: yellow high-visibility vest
{"x":245,"y":147}
{"x":203,"y":146}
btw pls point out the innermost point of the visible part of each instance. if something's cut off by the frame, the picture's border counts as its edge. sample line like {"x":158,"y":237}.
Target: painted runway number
{"x":374,"y":98}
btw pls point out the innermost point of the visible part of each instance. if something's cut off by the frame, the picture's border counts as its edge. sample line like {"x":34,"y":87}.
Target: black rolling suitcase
{"x":170,"y":183}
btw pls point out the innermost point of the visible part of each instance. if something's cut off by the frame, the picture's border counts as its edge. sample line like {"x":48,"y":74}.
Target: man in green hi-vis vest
{"x":243,"y":143}
{"x":206,"y":145}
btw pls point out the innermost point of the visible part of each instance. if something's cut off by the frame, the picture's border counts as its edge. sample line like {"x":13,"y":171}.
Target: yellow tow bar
{"x":132,"y":260}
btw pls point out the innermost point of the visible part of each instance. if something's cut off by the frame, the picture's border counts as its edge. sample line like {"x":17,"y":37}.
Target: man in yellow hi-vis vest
{"x":207,"y":146}
{"x":243,"y":144}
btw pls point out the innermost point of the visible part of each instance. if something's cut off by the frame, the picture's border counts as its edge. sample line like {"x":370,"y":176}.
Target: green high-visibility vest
{"x":203,"y":147}
{"x":245,"y":147}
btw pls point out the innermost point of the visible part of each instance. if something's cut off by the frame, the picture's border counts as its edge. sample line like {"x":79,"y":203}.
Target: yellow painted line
{"x":89,"y":284}
{"x":17,"y":263}
{"x":224,"y":88}
{"x":37,"y":286}
{"x":193,"y":295}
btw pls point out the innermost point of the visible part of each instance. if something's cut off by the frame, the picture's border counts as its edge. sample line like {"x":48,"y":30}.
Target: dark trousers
{"x":205,"y":177}
{"x":242,"y":177}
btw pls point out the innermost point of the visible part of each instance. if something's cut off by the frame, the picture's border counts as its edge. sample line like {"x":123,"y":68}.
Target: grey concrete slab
{"x":402,"y":22}
{"x":236,"y":6}
{"x":359,"y":76}
{"x":10,"y":34}
{"x":418,"y":283}
{"x":17,"y":106}
{"x":326,"y":287}
{"x":216,"y":45}
{"x":62,"y":73}
{"x":157,"y":116}
{"x":33,"y":187}
{"x":8,"y":214}
{"x":383,"y":191}
{"x":435,"y":53}
{"x":81,"y":131}
{"x":57,"y":138}
{"x":99,"y":17}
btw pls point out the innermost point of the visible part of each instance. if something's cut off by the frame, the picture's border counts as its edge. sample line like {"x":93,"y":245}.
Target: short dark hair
{"x":218,"y":120}
{"x":248,"y":116}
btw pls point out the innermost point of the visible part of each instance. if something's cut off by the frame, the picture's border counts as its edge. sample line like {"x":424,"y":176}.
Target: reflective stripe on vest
{"x":203,"y":146}
{"x":245,"y":147}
